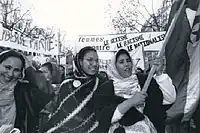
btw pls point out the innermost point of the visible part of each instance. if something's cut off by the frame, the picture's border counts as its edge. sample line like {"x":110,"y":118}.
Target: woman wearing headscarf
{"x":127,"y":84}
{"x":75,"y":113}
{"x":118,"y":109}
{"x":20,"y":101}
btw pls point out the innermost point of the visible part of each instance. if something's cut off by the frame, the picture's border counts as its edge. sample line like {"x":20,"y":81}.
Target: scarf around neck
{"x":76,"y":106}
{"x":7,"y":98}
{"x":7,"y":104}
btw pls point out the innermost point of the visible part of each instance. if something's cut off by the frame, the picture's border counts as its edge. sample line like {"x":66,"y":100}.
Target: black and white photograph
{"x":99,"y":66}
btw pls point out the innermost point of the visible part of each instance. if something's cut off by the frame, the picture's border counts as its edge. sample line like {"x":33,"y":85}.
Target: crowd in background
{"x":42,"y":98}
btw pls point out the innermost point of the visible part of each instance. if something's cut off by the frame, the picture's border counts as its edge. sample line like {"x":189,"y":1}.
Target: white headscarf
{"x":124,"y":87}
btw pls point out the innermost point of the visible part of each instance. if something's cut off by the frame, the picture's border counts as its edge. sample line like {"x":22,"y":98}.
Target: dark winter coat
{"x":106,"y":103}
{"x":30,"y":97}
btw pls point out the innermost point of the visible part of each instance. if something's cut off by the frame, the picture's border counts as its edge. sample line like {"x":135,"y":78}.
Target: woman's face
{"x":90,"y":63}
{"x":10,"y":69}
{"x":124,"y":66}
{"x":46,"y":72}
{"x":62,"y":70}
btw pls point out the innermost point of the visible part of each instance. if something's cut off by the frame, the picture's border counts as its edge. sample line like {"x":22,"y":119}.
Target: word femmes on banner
{"x":105,"y":44}
{"x":95,"y":39}
{"x":34,"y":43}
{"x":132,"y":46}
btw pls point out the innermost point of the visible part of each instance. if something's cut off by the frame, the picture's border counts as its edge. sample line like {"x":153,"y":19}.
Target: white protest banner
{"x":150,"y":41}
{"x":138,"y":57}
{"x":15,"y":40}
{"x":135,"y":43}
{"x":104,"y":60}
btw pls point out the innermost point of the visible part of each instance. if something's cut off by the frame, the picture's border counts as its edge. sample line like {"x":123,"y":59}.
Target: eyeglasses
{"x":92,"y":60}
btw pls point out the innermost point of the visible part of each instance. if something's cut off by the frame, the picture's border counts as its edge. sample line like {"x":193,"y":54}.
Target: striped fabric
{"x":73,"y":113}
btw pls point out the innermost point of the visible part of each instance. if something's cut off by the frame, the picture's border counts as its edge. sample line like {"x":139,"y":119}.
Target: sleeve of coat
{"x":105,"y":104}
{"x":154,"y":103}
{"x":37,"y":79}
{"x":40,"y":90}
{"x":38,"y":99}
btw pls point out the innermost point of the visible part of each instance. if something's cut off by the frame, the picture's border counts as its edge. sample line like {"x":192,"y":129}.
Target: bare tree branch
{"x":144,"y":8}
{"x":159,"y":19}
{"x":19,"y":19}
{"x":12,"y":10}
{"x":145,"y":18}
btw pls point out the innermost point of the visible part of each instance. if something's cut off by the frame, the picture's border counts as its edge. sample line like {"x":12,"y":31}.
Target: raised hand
{"x":159,"y":62}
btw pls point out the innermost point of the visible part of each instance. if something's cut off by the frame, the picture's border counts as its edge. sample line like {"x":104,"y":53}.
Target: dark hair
{"x":103,"y":74}
{"x":49,"y":66}
{"x":84,"y":50}
{"x":12,"y":53}
{"x":79,"y":56}
{"x":54,"y":70}
{"x":122,"y":51}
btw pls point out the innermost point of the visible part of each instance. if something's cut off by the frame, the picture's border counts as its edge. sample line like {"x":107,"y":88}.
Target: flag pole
{"x":143,"y":55}
{"x":167,"y":37}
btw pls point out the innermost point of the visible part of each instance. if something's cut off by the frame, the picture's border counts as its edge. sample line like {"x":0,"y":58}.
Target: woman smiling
{"x":20,"y":101}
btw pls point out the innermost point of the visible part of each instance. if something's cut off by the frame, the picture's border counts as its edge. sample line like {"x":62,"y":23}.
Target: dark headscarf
{"x":79,"y":73}
{"x":78,"y":98}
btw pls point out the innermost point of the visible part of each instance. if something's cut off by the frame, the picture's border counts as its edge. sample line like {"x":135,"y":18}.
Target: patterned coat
{"x":75,"y":112}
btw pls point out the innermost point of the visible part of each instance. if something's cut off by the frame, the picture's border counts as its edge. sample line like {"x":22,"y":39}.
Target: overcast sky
{"x":75,"y":16}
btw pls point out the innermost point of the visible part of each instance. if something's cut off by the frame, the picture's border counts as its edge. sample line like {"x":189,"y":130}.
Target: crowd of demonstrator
{"x":44,"y":100}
